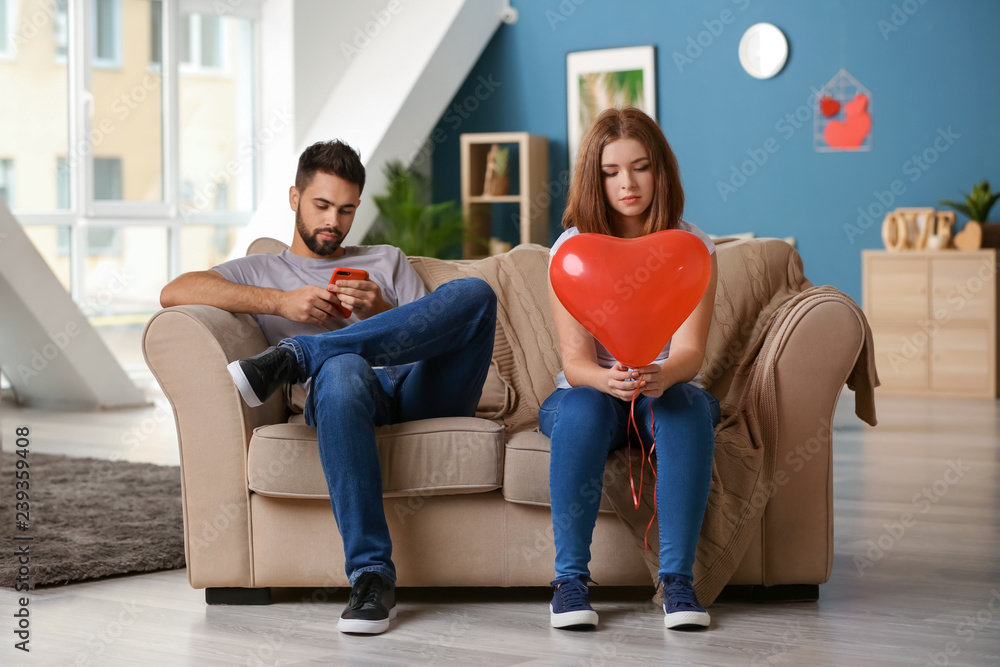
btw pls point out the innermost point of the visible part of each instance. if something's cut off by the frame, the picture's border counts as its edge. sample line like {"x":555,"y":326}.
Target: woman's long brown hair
{"x":586,"y":207}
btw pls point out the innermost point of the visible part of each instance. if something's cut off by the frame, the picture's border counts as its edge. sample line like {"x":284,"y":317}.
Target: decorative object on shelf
{"x":842,"y":120}
{"x":483,"y":152}
{"x":410,"y":221}
{"x":971,"y":236}
{"x":599,"y":80}
{"x":763,"y":50}
{"x":917,"y":229}
{"x":497,"y":160}
{"x":977,"y":203}
{"x":941,"y":232}
{"x":977,"y":233}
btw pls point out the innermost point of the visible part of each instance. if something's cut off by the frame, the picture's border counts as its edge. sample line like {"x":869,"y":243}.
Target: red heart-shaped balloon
{"x":631,"y":294}
{"x":829,"y":106}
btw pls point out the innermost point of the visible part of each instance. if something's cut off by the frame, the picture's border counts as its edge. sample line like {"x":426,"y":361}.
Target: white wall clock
{"x":763,"y":50}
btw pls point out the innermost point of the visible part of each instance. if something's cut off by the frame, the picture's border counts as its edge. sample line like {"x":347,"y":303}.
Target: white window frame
{"x":195,"y":67}
{"x":84,"y":211}
{"x":8,"y":48}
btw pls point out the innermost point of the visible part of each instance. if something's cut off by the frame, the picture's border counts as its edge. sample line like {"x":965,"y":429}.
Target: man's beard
{"x":321,"y":248}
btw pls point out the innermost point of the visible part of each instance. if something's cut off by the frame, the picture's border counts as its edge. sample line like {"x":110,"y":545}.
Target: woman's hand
{"x":650,"y":380}
{"x":622,"y":382}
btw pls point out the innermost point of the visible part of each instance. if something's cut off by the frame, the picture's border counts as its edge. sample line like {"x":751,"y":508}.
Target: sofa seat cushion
{"x":526,"y":471}
{"x":443,"y":456}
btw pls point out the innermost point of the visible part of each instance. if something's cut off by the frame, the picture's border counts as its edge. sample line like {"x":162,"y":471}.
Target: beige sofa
{"x":466,"y":498}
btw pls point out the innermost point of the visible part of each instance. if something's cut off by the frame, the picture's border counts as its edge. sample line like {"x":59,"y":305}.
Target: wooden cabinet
{"x":529,"y":190}
{"x":933,"y":316}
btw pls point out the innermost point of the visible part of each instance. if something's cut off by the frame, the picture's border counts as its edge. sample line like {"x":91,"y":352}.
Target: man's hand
{"x":362,"y":297}
{"x":309,"y":304}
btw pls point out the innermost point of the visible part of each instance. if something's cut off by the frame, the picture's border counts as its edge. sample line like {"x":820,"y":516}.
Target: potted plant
{"x":497,"y":160}
{"x":977,"y":208}
{"x":410,"y":221}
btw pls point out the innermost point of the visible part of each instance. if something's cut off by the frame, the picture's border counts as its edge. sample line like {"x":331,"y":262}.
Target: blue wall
{"x":937,"y":72}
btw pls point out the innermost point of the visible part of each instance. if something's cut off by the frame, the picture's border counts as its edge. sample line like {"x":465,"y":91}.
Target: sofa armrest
{"x":187,"y":348}
{"x":813,"y":364}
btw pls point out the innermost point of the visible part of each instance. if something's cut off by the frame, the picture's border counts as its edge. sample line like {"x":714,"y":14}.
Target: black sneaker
{"x":681,"y":608}
{"x":371,"y":606}
{"x":261,"y":375}
{"x":570,"y":607}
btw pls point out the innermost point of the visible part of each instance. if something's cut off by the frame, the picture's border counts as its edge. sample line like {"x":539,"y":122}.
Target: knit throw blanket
{"x":761,"y":294}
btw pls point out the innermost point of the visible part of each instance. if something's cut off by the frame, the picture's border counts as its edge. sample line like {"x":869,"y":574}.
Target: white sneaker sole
{"x":241,"y":382}
{"x":358,"y":626}
{"x":571,"y":619}
{"x":687,"y":619}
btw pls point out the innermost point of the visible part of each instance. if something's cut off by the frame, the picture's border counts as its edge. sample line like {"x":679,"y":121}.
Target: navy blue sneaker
{"x":570,"y":607}
{"x":680,"y":604}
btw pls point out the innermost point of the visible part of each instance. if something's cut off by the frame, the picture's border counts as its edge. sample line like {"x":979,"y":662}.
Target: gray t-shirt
{"x":386,"y":265}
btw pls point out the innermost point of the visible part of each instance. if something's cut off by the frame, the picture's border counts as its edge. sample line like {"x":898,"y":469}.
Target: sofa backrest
{"x":755,"y":275}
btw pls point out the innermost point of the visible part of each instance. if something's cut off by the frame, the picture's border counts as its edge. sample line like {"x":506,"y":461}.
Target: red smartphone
{"x":346,"y":274}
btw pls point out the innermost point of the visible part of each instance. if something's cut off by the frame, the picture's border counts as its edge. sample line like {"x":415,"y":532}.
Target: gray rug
{"x":92,"y":518}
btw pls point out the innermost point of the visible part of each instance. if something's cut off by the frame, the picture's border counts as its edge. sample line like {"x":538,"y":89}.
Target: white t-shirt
{"x":386,"y":265}
{"x":604,"y":358}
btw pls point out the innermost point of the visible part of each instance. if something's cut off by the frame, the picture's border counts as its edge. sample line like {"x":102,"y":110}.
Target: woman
{"x":627,"y":185}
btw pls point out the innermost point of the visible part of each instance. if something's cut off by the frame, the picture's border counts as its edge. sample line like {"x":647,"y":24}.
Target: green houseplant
{"x":410,"y":221}
{"x":977,"y":203}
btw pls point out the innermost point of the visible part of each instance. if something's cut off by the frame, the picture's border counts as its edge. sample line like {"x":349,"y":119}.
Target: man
{"x":401,"y":355}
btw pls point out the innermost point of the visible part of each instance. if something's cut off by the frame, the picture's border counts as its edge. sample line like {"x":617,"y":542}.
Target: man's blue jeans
{"x":585,"y":425}
{"x":436,"y":352}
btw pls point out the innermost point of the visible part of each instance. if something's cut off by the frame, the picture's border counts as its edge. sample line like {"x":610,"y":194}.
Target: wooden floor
{"x":925,"y":593}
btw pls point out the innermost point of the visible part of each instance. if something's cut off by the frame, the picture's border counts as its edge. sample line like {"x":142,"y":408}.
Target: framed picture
{"x":599,"y":80}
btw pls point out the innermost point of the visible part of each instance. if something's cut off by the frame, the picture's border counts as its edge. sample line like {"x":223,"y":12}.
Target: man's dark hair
{"x":331,"y":157}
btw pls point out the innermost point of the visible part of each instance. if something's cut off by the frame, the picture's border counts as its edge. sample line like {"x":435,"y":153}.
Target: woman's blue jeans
{"x":436,"y":352}
{"x":585,"y":425}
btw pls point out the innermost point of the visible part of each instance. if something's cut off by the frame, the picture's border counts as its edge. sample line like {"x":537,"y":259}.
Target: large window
{"x":136,"y":157}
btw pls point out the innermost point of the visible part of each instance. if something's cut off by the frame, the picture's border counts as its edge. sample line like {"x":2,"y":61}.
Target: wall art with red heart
{"x":842,"y":119}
